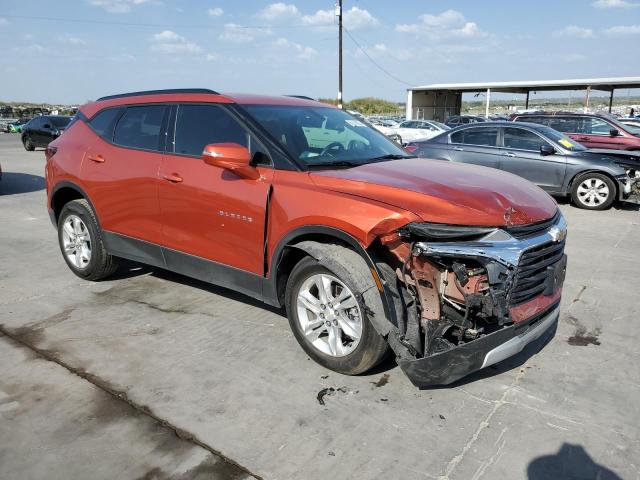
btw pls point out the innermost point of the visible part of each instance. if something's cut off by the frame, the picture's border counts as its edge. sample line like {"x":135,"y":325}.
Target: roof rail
{"x":159,"y":92}
{"x":303,"y":97}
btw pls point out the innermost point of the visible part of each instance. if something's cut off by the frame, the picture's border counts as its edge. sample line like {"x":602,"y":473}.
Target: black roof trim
{"x":303,"y":97}
{"x":160,"y":92}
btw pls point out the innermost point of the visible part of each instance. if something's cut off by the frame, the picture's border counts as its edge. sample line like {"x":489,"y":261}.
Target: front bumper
{"x":447,"y":367}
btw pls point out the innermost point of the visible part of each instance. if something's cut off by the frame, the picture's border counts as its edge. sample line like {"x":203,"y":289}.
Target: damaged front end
{"x":472,"y":296}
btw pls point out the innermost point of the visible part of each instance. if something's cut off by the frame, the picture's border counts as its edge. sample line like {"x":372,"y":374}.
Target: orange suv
{"x":301,"y":205}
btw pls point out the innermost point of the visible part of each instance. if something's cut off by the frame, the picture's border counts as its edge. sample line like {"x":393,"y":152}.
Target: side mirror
{"x":614,"y":132}
{"x":547,"y":150}
{"x":232,"y":157}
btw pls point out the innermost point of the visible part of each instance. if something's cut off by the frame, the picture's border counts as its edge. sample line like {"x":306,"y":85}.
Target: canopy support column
{"x":611,"y":100}
{"x":486,"y":112}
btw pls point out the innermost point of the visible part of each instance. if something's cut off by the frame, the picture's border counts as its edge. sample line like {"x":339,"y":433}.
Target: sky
{"x":83,"y":49}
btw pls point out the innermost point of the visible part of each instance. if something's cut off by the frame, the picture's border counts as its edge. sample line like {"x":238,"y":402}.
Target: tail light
{"x":50,"y":152}
{"x":411,"y":148}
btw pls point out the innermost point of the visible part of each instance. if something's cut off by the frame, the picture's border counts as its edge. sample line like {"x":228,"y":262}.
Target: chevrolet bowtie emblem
{"x":557,"y":235}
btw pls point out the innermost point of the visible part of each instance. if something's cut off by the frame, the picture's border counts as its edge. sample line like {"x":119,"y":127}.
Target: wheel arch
{"x":65,"y":192}
{"x":291,"y":249}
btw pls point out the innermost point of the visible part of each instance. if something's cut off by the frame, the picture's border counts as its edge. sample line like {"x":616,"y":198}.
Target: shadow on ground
{"x":129,"y":269}
{"x":572,"y":462}
{"x":14,"y":183}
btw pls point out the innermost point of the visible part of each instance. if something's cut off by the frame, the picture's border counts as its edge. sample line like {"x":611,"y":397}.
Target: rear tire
{"x":593,"y":191}
{"x":357,"y":346}
{"x":29,"y":146}
{"x":81,"y":242}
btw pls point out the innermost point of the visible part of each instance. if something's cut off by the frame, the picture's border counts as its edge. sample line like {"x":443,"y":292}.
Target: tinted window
{"x":522,"y":139}
{"x":200,"y":125}
{"x":140,"y":127}
{"x":35,"y":123}
{"x":564,"y":124}
{"x":540,"y":120}
{"x":60,"y":122}
{"x":476,"y":136}
{"x":104,"y":122}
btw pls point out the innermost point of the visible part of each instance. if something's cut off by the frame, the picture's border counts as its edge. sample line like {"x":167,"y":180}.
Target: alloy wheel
{"x":329,"y":315}
{"x":76,"y":241}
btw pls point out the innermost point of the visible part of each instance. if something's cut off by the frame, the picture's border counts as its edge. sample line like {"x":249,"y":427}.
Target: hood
{"x":620,"y":157}
{"x":444,"y":192}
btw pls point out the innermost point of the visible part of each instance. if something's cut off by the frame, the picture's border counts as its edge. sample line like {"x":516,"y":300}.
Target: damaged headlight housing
{"x":442,"y":233}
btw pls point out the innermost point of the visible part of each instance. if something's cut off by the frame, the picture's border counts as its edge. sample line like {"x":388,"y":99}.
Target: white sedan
{"x":414,"y":130}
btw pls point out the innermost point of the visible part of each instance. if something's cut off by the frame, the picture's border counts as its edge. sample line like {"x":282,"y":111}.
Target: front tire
{"x":29,"y":146}
{"x":81,"y":242}
{"x":593,"y":191}
{"x":329,"y":320}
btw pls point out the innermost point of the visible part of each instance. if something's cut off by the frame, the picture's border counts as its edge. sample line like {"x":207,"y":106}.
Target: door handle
{"x":458,"y":149}
{"x":96,"y":158}
{"x":173,"y":178}
{"x":508,"y":154}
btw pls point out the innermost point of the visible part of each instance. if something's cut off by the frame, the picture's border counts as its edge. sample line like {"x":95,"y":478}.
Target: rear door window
{"x":482,"y":136}
{"x":521,"y":139}
{"x":564,"y":124}
{"x":141,"y":127}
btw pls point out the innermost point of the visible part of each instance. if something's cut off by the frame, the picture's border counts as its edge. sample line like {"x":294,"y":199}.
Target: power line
{"x":153,"y":25}
{"x":374,"y":62}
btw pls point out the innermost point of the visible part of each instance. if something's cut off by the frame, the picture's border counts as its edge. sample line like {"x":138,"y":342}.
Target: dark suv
{"x":591,"y":130}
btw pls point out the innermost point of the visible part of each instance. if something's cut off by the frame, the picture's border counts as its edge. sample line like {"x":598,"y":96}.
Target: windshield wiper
{"x":335,"y":163}
{"x":392,"y":156}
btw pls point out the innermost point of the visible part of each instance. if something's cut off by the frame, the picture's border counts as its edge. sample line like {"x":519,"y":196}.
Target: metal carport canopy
{"x":606,"y":84}
{"x":523,"y":87}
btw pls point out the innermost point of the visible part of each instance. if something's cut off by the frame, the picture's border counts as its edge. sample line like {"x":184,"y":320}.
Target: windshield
{"x":324,"y":136}
{"x":60,"y":122}
{"x":561,"y":139}
{"x":633,"y":128}
{"x":441,"y":126}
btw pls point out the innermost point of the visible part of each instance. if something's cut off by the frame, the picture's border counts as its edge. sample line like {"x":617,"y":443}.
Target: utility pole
{"x":339,"y":14}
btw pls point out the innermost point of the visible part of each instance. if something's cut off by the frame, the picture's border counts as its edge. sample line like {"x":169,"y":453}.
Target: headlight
{"x":444,"y":232}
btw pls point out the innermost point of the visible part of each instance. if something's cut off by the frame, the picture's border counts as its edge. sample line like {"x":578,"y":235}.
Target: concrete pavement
{"x":123,"y":365}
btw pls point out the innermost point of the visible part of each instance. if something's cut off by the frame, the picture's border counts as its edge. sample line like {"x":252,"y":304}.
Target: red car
{"x":303,"y":206}
{"x":591,"y":130}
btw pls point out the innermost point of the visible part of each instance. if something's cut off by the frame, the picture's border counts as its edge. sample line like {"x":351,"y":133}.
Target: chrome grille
{"x":527,"y":231}
{"x":532,"y":270}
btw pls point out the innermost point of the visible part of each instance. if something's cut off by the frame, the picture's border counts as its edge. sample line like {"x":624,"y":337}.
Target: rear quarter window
{"x":104,"y":122}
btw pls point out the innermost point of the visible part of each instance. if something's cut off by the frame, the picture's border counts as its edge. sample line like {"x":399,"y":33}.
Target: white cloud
{"x":121,"y":58}
{"x":278,"y":12}
{"x":215,"y":12}
{"x":118,"y":6}
{"x":169,"y":42}
{"x":353,"y":18}
{"x":239,"y":34}
{"x":449,"y":24}
{"x":614,"y":4}
{"x":574,"y":31}
{"x":3,"y":21}
{"x":623,"y":30}
{"x":212,"y":57}
{"x":302,"y":52}
{"x":381,"y":49}
{"x":69,"y":39}
{"x":31,"y":49}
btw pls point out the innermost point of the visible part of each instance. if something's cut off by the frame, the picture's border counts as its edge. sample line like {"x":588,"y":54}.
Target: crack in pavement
{"x":123,"y":397}
{"x":456,"y":460}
